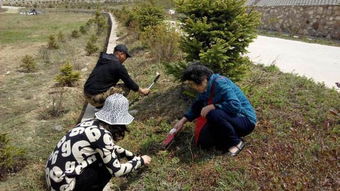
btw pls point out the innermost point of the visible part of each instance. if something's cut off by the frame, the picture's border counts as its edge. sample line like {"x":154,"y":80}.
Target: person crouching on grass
{"x":109,"y":69}
{"x":223,"y":113}
{"x":87,"y":157}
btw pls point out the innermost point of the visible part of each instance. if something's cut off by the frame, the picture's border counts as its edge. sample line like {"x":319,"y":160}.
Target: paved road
{"x":319,"y":62}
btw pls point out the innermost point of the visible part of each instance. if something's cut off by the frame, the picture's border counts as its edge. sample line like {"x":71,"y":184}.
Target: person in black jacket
{"x":102,"y":82}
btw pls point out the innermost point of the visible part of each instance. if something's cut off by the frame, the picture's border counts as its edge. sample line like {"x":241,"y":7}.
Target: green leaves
{"x":67,"y":76}
{"x":11,"y":157}
{"x":214,"y":55}
{"x":217,"y":34}
{"x":28,"y":64}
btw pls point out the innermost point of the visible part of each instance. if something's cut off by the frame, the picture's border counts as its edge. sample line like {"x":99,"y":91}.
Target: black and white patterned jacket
{"x":79,"y":148}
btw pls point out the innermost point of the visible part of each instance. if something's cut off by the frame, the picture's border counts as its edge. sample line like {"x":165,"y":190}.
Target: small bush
{"x":91,"y":47}
{"x":75,"y":34}
{"x":163,"y":41}
{"x":141,"y":17}
{"x":90,"y":22}
{"x":93,"y":38}
{"x":11,"y":158}
{"x":52,"y":42}
{"x":61,"y":37}
{"x":28,"y":64}
{"x":148,"y":15}
{"x":83,"y":29}
{"x":97,"y":14}
{"x":100,"y":22}
{"x":101,"y":25}
{"x":121,"y":14}
{"x":67,"y":76}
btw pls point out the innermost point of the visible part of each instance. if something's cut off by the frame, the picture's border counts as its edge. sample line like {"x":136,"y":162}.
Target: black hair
{"x":117,"y":131}
{"x":196,"y":72}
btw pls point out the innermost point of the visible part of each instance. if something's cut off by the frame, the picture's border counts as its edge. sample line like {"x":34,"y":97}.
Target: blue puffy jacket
{"x":227,"y":96}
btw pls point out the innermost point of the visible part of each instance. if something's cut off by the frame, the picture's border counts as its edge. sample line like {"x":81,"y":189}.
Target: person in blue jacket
{"x":223,"y":113}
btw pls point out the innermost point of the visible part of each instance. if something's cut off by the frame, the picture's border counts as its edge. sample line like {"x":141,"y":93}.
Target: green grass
{"x":15,"y":28}
{"x":294,"y":146}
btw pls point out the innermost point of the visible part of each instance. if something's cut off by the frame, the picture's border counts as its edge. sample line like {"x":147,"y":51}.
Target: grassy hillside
{"x":15,"y":28}
{"x":27,"y":99}
{"x":295,"y":145}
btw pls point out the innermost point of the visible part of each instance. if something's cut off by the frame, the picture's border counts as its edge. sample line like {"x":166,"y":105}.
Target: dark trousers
{"x":93,"y":178}
{"x":223,"y":130}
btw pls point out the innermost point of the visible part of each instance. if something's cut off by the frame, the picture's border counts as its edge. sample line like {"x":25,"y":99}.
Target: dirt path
{"x":319,"y":62}
{"x":89,"y":112}
{"x":113,"y":36}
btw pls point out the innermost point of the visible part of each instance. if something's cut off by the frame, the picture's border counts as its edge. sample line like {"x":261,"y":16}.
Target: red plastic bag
{"x":199,"y":124}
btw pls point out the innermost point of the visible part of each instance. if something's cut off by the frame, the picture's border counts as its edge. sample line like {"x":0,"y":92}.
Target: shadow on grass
{"x":169,"y":105}
{"x":183,"y":147}
{"x":131,"y":178}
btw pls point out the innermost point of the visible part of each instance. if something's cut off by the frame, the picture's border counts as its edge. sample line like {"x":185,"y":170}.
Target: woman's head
{"x":197,"y":76}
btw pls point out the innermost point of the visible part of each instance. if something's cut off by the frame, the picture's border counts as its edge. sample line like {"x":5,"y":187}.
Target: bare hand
{"x":146,"y":159}
{"x":144,"y":91}
{"x":205,"y":110}
{"x":180,"y":123}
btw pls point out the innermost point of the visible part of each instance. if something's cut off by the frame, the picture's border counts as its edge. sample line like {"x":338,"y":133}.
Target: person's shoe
{"x":234,"y":150}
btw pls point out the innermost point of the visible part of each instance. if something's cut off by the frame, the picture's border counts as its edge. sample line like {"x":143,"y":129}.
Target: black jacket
{"x":106,"y":74}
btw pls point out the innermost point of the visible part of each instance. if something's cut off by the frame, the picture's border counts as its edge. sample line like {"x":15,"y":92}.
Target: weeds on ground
{"x":61,"y":37}
{"x":293,"y":146}
{"x":56,"y":108}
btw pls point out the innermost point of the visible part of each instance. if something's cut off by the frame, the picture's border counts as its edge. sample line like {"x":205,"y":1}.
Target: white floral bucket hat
{"x":115,"y":111}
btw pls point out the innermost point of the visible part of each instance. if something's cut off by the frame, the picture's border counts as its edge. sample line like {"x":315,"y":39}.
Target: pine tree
{"x":52,"y":42}
{"x":28,"y":64}
{"x":67,"y":77}
{"x":217,"y":33}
